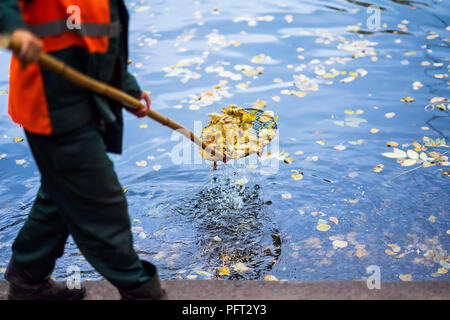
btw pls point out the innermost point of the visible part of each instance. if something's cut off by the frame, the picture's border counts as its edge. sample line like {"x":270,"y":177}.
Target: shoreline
{"x":279,"y":290}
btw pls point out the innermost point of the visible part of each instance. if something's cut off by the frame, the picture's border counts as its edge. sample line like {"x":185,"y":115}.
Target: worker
{"x":70,"y":130}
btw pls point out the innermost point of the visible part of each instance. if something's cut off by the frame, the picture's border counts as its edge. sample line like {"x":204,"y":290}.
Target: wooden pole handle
{"x":76,"y":77}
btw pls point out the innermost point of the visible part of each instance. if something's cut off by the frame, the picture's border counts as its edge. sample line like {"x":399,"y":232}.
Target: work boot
{"x":151,"y":290}
{"x":21,"y":287}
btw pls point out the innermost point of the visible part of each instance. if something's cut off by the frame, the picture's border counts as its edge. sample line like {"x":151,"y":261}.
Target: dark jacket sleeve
{"x":10,"y":16}
{"x":131,"y":86}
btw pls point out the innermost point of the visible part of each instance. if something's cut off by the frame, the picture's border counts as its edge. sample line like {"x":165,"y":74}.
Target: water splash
{"x":240,"y":218}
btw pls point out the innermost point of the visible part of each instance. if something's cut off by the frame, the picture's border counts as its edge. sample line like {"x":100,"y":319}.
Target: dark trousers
{"x":80,"y":195}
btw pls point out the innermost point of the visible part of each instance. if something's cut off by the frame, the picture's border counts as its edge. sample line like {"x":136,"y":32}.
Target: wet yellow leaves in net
{"x":233,"y":132}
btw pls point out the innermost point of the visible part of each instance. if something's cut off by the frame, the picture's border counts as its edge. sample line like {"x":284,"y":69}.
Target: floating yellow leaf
{"x":396,"y":154}
{"x":357,"y":142}
{"x":225,"y":257}
{"x":321,"y":142}
{"x":417,"y":146}
{"x":374,"y":130}
{"x":438,"y":99}
{"x":260,"y":104}
{"x":224,"y":271}
{"x":252,"y":166}
{"x":405,"y":277}
{"x":432,"y":218}
{"x":390,"y":252}
{"x":143,"y":126}
{"x":340,"y":147}
{"x":412,"y":154}
{"x":409,"y":162}
{"x":347,"y":79}
{"x":242,"y":85}
{"x":392,"y":144}
{"x":390,"y":115}
{"x":286,"y":196}
{"x":239,"y":267}
{"x":156,"y":167}
{"x":203,"y":273}
{"x":300,"y":94}
{"x":360,"y":252}
{"x":288,"y":160}
{"x":378,"y":168}
{"x":339,"y":244}
{"x":407,"y":99}
{"x":334,"y":219}
{"x":142,"y":163}
{"x":442,"y":270}
{"x":261,"y":58}
{"x":241,"y":182}
{"x":297,"y":176}
{"x":323,"y":227}
{"x":18,"y":139}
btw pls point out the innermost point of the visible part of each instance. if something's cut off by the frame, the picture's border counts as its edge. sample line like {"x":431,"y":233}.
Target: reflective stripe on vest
{"x":86,"y":29}
{"x":28,"y":104}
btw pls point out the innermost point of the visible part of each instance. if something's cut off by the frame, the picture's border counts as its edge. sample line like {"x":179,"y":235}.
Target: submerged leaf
{"x":339,"y":244}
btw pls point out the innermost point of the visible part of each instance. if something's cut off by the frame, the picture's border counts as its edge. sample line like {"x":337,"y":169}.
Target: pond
{"x":358,"y":173}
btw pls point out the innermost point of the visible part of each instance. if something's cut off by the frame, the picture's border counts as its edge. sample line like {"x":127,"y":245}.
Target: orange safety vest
{"x":59,"y":25}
